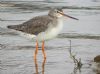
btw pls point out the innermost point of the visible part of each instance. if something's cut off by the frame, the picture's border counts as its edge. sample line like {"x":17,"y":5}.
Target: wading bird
{"x":43,"y":27}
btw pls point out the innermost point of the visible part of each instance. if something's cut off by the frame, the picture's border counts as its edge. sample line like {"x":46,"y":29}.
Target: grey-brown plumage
{"x":33,"y":26}
{"x":37,"y":24}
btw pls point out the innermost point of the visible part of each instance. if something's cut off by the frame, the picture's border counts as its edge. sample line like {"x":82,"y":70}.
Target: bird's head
{"x":58,"y":12}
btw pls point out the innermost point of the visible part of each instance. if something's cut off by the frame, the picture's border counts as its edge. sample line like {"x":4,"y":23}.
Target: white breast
{"x":51,"y":32}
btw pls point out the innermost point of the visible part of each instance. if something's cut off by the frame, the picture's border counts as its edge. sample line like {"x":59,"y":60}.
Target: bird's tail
{"x":10,"y":26}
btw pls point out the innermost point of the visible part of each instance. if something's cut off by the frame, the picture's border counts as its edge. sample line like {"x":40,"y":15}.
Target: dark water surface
{"x":16,"y":52}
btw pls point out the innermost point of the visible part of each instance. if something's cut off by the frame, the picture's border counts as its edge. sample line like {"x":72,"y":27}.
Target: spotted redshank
{"x":43,"y":27}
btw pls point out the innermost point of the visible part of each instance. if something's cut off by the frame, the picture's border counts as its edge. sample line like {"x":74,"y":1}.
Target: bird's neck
{"x":52,"y":16}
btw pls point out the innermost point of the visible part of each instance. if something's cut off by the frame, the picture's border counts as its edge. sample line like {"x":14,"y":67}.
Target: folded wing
{"x":33,"y":26}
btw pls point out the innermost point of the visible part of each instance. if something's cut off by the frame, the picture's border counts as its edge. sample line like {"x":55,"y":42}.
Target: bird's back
{"x":33,"y":26}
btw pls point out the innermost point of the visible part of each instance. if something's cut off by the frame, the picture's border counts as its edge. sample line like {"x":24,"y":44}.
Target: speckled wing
{"x":33,"y":26}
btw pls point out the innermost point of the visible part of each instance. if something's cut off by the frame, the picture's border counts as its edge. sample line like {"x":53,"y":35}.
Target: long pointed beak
{"x":68,"y":16}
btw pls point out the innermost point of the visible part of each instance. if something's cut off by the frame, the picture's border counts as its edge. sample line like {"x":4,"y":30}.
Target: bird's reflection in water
{"x":36,"y":65}
{"x":43,"y":66}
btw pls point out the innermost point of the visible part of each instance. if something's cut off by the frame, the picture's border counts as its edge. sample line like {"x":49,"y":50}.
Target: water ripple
{"x":79,"y":36}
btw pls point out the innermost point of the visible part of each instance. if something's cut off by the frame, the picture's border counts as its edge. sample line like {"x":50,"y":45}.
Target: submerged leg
{"x":36,"y":51}
{"x":43,"y":51}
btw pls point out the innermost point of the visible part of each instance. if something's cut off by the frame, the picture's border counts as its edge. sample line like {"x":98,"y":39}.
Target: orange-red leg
{"x":43,"y":51}
{"x":36,"y":51}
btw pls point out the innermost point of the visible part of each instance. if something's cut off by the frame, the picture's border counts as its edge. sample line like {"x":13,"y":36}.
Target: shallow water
{"x":16,"y":52}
